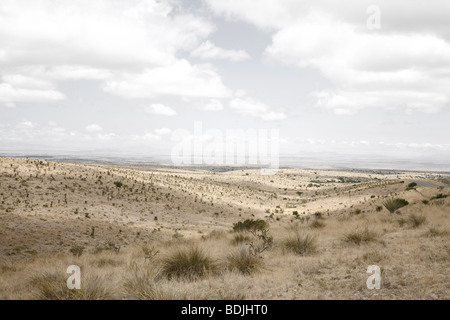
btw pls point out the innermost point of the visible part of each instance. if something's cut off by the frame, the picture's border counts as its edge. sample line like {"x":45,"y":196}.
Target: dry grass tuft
{"x":189,"y":263}
{"x":52,"y":285}
{"x":361,"y":236}
{"x":244,"y":261}
{"x":301,"y":245}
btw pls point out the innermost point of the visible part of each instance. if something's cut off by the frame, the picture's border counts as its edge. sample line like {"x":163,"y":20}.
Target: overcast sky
{"x":125,"y":74}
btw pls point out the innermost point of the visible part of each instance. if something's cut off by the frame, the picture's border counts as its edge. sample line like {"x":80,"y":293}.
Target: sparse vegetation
{"x":416,"y":220}
{"x":394,"y":204}
{"x":301,"y":244}
{"x":244,"y":261}
{"x":190,"y":263}
{"x":250,"y":225}
{"x":361,"y":236}
{"x":130,"y":243}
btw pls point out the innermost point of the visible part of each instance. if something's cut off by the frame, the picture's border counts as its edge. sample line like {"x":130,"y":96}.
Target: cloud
{"x":110,"y":34}
{"x":403,"y":66}
{"x":26,"y":82}
{"x":181,"y":79}
{"x":160,"y":109}
{"x":163,"y":131}
{"x":208,"y":50}
{"x":252,"y":108}
{"x":367,"y":70}
{"x":133,"y":47}
{"x":94,"y":128}
{"x":10,"y":94}
{"x":213,"y":105}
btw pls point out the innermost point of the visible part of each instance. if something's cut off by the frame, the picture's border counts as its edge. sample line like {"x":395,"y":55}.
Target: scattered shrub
{"x":244,"y":261}
{"x":360,"y":236}
{"x":190,"y":263}
{"x":250,"y":225}
{"x":394,"y":204}
{"x":316,"y":224}
{"x":439,"y":196}
{"x":301,"y":245}
{"x":76,"y":250}
{"x":416,"y":220}
{"x":435,"y":232}
{"x":240,"y":238}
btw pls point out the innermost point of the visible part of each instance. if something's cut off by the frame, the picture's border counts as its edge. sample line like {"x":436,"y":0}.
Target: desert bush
{"x":394,"y":204}
{"x":76,"y":250}
{"x":215,"y":234}
{"x":190,"y":263}
{"x":361,"y":236}
{"x":317,"y":224}
{"x":435,"y":232}
{"x":244,"y":261}
{"x":416,"y":220}
{"x":240,"y":238}
{"x":300,"y":245}
{"x":106,"y":246}
{"x":439,"y":196}
{"x":118,"y":184}
{"x":250,"y":225}
{"x":411,"y":186}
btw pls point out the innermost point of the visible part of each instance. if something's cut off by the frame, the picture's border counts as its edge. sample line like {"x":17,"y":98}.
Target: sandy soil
{"x":48,"y":208}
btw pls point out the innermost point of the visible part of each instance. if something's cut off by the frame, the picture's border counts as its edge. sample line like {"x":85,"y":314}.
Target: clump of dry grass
{"x":361,"y":236}
{"x":142,"y":282}
{"x":240,"y":238}
{"x":436,"y":232}
{"x":190,"y":263}
{"x":416,"y":220}
{"x":6,"y":266}
{"x":300,"y":245}
{"x":52,"y":285}
{"x":317,"y":224}
{"x":244,"y":261}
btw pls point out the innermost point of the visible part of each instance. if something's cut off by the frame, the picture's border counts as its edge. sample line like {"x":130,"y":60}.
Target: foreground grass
{"x":328,"y":262}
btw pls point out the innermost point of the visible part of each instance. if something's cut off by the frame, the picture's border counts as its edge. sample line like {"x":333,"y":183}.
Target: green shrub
{"x":439,"y":196}
{"x":394,"y":204}
{"x":250,"y":225}
{"x":411,"y":186}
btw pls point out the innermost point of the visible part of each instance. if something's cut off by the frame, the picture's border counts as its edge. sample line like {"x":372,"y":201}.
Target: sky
{"x":355,"y":79}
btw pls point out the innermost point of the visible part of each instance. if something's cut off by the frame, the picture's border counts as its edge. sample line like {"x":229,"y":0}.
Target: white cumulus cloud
{"x":208,"y":50}
{"x":161,"y":109}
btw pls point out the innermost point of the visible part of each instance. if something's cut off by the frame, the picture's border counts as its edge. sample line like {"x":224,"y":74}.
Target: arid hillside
{"x":309,"y":233}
